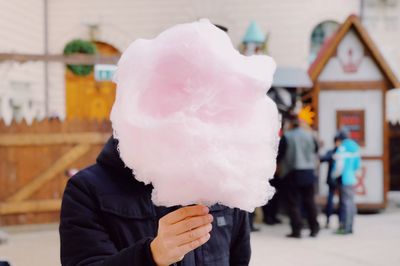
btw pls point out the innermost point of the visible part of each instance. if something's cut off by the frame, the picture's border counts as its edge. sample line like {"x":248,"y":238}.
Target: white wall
{"x":367,"y":70}
{"x":370,"y":101}
{"x":382,"y":20}
{"x":21,"y":23}
{"x":289,"y":22}
{"x":21,"y":26}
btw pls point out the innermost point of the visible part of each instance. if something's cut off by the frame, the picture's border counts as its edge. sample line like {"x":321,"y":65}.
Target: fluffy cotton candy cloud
{"x":192,"y":118}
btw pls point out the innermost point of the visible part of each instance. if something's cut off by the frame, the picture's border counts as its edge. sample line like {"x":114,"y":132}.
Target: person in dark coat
{"x":330,"y":180}
{"x":108,"y":218}
{"x":297,"y":162}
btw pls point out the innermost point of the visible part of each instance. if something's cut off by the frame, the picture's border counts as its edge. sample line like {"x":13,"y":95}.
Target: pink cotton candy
{"x":192,"y":118}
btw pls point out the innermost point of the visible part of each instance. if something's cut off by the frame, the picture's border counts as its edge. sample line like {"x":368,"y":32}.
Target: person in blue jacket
{"x":347,"y":164}
{"x":108,"y":218}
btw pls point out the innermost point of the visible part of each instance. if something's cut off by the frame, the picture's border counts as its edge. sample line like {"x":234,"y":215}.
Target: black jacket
{"x":108,"y":218}
{"x":328,"y":157}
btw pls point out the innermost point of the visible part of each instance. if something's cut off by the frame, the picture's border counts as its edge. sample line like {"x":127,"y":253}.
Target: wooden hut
{"x":350,"y":78}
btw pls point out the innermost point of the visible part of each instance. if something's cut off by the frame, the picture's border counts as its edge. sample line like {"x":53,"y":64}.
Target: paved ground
{"x":376,"y":242}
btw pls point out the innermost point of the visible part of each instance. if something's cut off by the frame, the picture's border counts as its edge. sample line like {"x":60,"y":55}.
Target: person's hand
{"x":180,"y":232}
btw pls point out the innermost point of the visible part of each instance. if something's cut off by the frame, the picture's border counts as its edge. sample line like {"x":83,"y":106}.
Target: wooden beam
{"x":315,"y":104}
{"x":321,"y":201}
{"x":372,"y":158}
{"x":60,"y":165}
{"x":53,"y":138}
{"x":371,"y":206}
{"x":31,"y":206}
{"x":351,"y":85}
{"x":83,"y":59}
{"x":394,"y":134}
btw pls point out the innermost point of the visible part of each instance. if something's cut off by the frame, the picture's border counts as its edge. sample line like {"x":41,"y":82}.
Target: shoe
{"x":314,"y":232}
{"x":254,"y":229}
{"x":341,"y":231}
{"x":268,"y":221}
{"x":292,"y":235}
{"x":272,"y":221}
{"x":277,"y":220}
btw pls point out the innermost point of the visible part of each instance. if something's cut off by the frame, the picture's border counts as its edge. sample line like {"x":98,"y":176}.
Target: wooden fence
{"x":33,"y":164}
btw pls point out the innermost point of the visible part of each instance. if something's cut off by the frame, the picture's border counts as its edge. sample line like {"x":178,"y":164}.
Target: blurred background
{"x":338,"y":66}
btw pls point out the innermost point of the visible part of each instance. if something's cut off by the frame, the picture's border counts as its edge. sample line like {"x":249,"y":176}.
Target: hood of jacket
{"x":109,"y":157}
{"x":350,"y":145}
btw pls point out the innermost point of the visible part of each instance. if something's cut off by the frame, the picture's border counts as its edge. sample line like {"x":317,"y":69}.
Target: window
{"x":322,"y":32}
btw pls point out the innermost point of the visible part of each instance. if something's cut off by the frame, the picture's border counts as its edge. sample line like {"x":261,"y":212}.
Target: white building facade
{"x":21,"y":85}
{"x":288,"y":22}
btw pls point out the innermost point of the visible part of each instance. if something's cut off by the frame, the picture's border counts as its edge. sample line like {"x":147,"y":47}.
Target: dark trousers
{"x":298,"y":196}
{"x":329,"y":201}
{"x":251,"y":219}
{"x":270,"y":210}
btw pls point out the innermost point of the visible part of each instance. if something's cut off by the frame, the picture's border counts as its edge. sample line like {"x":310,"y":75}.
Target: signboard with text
{"x":353,"y":121}
{"x":103,"y":72}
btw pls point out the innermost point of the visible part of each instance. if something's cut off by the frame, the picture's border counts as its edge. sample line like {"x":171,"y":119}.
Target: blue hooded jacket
{"x":347,"y":162}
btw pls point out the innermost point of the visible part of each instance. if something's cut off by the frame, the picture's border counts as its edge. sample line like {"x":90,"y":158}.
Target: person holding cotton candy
{"x":194,"y":144}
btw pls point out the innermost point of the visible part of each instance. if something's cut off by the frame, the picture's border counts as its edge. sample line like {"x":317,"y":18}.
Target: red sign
{"x":353,"y":121}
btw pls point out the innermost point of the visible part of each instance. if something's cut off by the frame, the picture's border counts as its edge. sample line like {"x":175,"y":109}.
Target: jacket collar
{"x":109,"y":158}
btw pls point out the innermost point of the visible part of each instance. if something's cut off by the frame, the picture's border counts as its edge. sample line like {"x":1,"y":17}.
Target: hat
{"x":342,"y":134}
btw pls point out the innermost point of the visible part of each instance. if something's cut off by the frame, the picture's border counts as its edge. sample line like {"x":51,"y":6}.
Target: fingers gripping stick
{"x":180,"y":232}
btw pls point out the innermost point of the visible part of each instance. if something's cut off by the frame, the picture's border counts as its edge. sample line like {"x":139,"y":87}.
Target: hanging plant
{"x":80,"y":47}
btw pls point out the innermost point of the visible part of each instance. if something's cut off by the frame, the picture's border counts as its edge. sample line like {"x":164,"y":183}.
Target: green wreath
{"x":80,"y":47}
